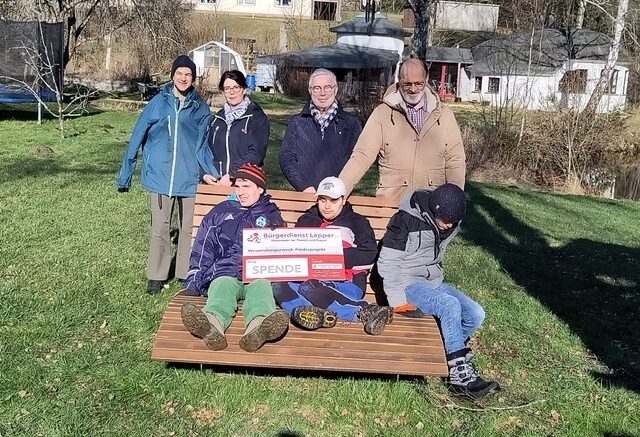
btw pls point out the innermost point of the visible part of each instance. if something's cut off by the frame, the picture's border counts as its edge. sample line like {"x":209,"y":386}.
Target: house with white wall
{"x":306,"y":9}
{"x":549,"y":70}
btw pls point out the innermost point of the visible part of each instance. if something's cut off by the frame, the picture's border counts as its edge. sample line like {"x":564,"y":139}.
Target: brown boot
{"x":203,"y":325}
{"x":263,"y":329}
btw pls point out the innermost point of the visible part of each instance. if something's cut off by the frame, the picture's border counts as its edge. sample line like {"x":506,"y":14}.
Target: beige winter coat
{"x":407,"y":159}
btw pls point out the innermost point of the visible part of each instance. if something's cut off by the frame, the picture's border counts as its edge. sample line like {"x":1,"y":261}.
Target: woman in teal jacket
{"x":172,"y":132}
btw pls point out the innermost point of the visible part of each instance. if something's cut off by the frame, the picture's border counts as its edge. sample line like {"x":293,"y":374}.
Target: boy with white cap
{"x":313,"y":304}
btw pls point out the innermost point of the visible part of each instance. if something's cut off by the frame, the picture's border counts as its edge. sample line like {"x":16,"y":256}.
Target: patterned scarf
{"x":232,"y":114}
{"x":324,"y":119}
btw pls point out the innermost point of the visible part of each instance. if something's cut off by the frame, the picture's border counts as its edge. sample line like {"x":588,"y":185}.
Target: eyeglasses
{"x":409,"y":85}
{"x":232,"y":89}
{"x":318,"y":89}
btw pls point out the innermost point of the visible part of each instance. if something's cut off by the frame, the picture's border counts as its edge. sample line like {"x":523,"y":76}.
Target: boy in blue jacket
{"x":171,"y":131}
{"x":215,"y":269}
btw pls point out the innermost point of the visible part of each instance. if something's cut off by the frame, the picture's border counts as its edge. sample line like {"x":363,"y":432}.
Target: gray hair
{"x":321,"y":72}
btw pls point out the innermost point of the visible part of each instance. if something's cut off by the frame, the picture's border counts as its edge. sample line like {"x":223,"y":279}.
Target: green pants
{"x":225,"y":292}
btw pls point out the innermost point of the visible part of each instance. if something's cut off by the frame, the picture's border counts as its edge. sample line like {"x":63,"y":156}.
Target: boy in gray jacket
{"x":410,"y":264}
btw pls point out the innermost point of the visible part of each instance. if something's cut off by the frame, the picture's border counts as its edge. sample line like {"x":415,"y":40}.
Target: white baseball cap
{"x":331,"y":187}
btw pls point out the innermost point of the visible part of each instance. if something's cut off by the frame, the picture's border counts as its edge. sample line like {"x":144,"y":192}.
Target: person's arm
{"x":391,"y":258}
{"x":288,"y":156}
{"x":202,"y":257}
{"x":364,"y":153}
{"x":455,"y":166}
{"x":365,"y":251}
{"x":138,"y":136}
{"x":203,"y":151}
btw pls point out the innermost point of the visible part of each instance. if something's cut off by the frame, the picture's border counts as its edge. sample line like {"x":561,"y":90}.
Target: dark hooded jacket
{"x":217,"y":249}
{"x":359,"y":240}
{"x":412,"y":251}
{"x":245,"y":140}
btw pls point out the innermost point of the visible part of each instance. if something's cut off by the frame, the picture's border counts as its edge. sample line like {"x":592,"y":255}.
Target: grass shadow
{"x":592,"y":286}
{"x":29,"y":112}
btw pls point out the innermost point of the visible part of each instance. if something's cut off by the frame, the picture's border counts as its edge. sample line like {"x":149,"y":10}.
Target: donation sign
{"x":292,"y":254}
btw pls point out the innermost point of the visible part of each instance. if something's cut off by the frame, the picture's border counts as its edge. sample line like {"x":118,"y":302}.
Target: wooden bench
{"x":407,"y":346}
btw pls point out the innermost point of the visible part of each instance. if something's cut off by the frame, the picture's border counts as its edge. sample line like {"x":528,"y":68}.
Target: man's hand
{"x":309,"y":190}
{"x":209,"y":179}
{"x":225,"y":180}
{"x":409,"y":310}
{"x":122,"y":189}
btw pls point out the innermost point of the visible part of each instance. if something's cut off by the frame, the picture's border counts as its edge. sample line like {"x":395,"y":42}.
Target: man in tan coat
{"x":416,"y":139}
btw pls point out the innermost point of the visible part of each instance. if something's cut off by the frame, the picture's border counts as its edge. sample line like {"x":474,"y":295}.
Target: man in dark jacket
{"x":318,"y":141}
{"x":314,"y":304}
{"x":216,"y":269}
{"x":172,"y":132}
{"x":410,"y":264}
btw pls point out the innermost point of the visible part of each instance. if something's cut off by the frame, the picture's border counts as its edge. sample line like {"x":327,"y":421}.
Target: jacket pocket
{"x":393,"y":181}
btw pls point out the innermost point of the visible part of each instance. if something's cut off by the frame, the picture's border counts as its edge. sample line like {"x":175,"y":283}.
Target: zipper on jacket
{"x":175,"y":147}
{"x":227,"y":147}
{"x":169,"y":124}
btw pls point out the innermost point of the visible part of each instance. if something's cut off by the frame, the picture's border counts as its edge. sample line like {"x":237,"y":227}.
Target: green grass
{"x":557,"y":275}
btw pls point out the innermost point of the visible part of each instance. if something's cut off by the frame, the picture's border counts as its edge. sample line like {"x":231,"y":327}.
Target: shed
{"x":214,"y":58}
{"x":363,"y":53}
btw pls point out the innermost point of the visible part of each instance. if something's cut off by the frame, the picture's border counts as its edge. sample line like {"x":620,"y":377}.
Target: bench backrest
{"x":293,"y":204}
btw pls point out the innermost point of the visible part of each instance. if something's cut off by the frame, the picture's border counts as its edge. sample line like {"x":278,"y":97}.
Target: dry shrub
{"x":563,"y":149}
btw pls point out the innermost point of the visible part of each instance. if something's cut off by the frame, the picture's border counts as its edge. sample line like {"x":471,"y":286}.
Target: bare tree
{"x":46,"y":73}
{"x":612,"y":58}
{"x":422,"y":11}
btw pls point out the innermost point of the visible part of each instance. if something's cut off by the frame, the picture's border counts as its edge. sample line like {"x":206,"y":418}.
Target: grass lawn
{"x":559,"y":277}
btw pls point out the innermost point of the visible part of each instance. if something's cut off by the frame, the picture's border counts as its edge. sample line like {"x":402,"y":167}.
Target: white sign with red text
{"x":292,"y":254}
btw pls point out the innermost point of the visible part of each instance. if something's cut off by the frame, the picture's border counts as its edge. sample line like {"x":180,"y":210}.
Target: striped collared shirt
{"x":417,"y":116}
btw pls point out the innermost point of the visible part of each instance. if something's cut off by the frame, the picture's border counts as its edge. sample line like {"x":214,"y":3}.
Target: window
{"x":624,"y":82}
{"x":247,"y":2}
{"x":613,"y":83}
{"x":283,"y":3}
{"x":208,"y":1}
{"x":494,"y":85}
{"x":573,"y":82}
{"x":477,"y":87}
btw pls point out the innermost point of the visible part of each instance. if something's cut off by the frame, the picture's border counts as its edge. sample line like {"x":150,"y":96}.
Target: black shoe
{"x":154,"y":287}
{"x":375,"y":318}
{"x":464,"y":379}
{"x":310,"y":317}
{"x":476,"y":390}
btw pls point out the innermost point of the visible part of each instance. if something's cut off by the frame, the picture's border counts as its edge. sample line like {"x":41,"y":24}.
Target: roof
{"x":381,"y":26}
{"x":549,"y":50}
{"x":451,"y":55}
{"x":337,"y":55}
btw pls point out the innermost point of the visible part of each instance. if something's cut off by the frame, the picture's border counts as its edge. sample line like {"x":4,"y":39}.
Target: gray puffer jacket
{"x":412,"y":251}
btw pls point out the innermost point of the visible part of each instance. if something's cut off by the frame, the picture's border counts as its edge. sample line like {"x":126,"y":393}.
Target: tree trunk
{"x":421,"y":12}
{"x":612,"y":58}
{"x":580,"y":13}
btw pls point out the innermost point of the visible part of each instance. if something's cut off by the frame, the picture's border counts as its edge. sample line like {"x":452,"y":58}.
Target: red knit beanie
{"x":253,"y":173}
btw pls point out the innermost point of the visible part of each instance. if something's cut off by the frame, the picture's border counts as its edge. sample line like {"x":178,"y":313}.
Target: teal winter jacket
{"x":174,"y":145}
